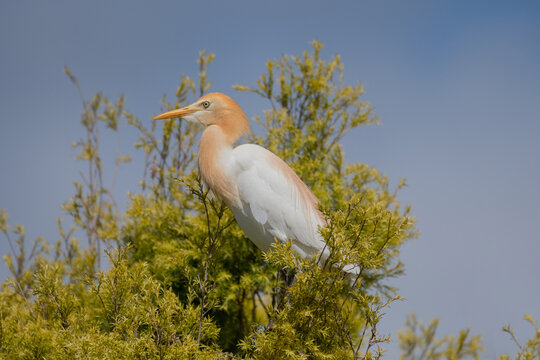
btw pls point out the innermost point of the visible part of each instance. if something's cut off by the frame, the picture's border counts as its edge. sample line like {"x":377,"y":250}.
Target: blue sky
{"x":456,"y":84}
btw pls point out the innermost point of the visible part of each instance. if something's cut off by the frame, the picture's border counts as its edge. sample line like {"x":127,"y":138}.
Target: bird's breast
{"x":217,"y":166}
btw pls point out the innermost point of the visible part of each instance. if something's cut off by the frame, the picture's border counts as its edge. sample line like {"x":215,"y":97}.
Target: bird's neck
{"x":216,"y":163}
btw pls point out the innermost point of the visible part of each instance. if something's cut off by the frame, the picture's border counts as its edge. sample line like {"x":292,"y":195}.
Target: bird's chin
{"x":192,"y":118}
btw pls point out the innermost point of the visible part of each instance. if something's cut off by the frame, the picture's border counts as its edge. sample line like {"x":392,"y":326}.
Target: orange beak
{"x":178,"y":113}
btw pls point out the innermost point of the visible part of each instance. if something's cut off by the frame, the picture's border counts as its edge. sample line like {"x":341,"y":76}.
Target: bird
{"x":267,"y":198}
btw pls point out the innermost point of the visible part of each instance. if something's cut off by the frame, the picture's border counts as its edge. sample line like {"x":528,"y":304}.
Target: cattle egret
{"x":267,"y":198}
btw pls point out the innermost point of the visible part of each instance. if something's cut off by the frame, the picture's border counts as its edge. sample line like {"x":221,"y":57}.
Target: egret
{"x":267,"y":198}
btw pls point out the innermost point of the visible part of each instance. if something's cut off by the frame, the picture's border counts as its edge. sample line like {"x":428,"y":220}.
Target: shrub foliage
{"x":181,"y":280}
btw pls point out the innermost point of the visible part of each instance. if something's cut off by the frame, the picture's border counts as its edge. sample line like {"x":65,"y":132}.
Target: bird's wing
{"x":277,"y":198}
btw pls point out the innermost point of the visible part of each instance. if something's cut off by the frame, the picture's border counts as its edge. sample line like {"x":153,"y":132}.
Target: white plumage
{"x":271,"y":205}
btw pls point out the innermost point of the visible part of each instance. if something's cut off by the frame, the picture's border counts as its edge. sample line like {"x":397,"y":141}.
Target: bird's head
{"x":214,"y":109}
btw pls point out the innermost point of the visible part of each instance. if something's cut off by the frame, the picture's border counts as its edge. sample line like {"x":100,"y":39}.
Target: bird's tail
{"x":352,"y":270}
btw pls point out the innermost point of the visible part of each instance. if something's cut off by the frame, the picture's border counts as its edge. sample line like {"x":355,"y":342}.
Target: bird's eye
{"x":205,"y":104}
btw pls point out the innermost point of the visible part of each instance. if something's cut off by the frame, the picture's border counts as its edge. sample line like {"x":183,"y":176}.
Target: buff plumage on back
{"x":308,"y":201}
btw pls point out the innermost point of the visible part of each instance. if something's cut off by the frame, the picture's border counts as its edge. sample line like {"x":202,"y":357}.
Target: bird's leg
{"x":285,"y":279}
{"x":289,"y":276}
{"x":279,"y":290}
